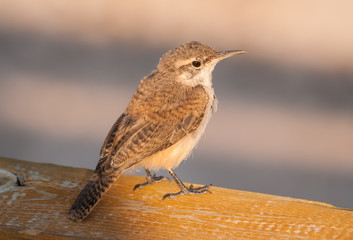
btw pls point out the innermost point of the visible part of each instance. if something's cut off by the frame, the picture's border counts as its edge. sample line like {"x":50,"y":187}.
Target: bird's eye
{"x":196,"y":64}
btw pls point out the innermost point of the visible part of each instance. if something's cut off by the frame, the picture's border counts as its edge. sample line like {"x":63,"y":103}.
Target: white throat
{"x":204,"y":78}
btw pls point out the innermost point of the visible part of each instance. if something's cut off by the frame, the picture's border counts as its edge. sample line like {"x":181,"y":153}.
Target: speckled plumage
{"x":162,"y":123}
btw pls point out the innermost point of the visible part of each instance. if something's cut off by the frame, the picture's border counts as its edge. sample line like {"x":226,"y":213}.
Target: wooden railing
{"x":38,"y":210}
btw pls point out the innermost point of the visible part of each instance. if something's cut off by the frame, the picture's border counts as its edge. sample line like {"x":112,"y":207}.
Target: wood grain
{"x":38,"y":210}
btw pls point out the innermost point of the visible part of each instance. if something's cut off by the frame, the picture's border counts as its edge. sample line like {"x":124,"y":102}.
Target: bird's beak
{"x":226,"y":54}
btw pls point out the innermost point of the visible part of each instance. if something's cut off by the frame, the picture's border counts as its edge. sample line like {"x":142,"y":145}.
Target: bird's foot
{"x":191,"y":190}
{"x":150,"y":180}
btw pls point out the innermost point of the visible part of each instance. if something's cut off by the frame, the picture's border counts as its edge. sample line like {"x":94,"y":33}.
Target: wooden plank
{"x":39,"y":210}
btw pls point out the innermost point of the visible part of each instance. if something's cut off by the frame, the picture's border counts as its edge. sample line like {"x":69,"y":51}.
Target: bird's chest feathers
{"x":170,"y":157}
{"x":210,"y":108}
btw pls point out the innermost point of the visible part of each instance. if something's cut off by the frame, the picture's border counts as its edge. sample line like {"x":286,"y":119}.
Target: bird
{"x":162,"y":123}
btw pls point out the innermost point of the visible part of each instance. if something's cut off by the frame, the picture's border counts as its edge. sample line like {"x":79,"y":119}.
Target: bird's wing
{"x":121,"y":130}
{"x":130,"y":140}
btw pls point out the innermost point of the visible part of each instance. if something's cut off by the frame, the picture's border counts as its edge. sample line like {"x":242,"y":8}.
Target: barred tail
{"x":88,"y":198}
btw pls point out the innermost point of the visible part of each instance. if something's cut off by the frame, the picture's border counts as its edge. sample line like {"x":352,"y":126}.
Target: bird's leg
{"x":184,"y":189}
{"x":150,"y":179}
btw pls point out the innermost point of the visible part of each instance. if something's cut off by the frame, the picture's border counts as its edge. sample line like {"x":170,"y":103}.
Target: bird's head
{"x":193,"y":62}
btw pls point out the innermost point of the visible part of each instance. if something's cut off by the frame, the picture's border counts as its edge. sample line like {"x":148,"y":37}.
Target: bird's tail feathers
{"x":90,"y":195}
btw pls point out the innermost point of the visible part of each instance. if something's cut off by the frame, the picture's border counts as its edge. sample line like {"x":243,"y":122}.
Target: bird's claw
{"x":150,"y":180}
{"x":190,"y":190}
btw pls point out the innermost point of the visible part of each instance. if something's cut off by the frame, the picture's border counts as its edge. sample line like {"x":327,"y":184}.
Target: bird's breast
{"x":172,"y":156}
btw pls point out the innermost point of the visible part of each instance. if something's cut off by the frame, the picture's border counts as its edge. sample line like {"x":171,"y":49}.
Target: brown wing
{"x":133,"y":138}
{"x":126,"y":145}
{"x":122,"y":129}
{"x":149,"y":125}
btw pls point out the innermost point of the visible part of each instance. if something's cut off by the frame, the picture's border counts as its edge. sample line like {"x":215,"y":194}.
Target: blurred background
{"x":284,"y":123}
